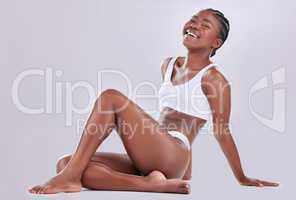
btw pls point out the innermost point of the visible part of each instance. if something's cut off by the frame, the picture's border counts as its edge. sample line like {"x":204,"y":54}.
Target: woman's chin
{"x":192,"y":46}
{"x":188,"y":45}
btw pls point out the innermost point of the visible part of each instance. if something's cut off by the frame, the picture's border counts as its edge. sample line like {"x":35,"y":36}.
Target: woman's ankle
{"x":72,"y":175}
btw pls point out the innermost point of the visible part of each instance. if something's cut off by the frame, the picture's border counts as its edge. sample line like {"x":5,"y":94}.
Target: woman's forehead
{"x":207,"y":15}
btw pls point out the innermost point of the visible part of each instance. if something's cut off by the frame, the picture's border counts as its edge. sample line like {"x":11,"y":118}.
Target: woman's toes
{"x":34,"y":189}
{"x":40,"y":190}
{"x":186,"y":191}
{"x":185,"y":188}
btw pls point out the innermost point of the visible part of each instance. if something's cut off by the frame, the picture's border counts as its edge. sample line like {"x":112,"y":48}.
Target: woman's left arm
{"x":217,"y":89}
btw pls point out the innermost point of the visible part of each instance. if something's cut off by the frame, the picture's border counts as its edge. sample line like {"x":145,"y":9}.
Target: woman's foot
{"x":160,"y":183}
{"x":59,"y":183}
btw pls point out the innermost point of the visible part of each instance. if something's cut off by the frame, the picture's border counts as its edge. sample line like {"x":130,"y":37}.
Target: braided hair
{"x":224,"y":29}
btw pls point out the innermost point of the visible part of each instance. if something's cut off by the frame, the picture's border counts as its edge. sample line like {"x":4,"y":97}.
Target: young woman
{"x":158,"y":155}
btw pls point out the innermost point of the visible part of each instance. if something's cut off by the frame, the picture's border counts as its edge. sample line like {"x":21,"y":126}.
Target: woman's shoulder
{"x":165,"y":63}
{"x":167,"y":60}
{"x":215,"y":73}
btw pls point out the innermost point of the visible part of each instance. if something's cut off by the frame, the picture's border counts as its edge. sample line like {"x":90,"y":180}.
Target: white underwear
{"x":181,"y":137}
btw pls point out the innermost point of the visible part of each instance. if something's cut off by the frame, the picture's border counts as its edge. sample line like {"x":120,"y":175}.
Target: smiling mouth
{"x":190,"y":33}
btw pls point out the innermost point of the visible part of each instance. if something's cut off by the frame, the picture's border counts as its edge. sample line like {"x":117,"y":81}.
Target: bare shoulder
{"x":213,"y":78}
{"x":164,"y":65}
{"x":213,"y":75}
{"x":179,"y":60}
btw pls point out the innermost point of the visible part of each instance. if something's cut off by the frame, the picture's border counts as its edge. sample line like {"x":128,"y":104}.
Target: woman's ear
{"x":217,"y":43}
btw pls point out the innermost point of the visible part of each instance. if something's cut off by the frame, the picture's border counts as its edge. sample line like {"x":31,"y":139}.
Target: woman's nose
{"x":194,"y":25}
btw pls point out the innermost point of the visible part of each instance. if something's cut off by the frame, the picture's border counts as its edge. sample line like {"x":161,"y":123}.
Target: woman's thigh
{"x":146,"y":142}
{"x":117,"y":161}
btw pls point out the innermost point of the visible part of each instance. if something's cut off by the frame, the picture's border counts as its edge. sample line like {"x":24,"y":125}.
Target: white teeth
{"x":190,"y":33}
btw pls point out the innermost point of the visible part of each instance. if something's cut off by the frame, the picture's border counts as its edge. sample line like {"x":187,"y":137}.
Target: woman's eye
{"x":206,"y":26}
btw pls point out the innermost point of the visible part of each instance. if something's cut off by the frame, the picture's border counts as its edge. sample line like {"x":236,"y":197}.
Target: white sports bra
{"x":186,"y":97}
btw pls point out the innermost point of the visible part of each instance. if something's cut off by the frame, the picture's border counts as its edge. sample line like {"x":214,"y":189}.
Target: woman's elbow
{"x":222,"y":135}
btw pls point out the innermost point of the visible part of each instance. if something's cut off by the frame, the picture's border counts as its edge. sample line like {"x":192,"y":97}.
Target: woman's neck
{"x":196,"y":60}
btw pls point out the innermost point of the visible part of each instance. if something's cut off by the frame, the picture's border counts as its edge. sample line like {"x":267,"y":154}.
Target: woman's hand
{"x":257,"y":183}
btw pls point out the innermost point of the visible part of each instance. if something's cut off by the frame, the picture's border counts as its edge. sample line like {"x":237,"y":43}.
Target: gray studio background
{"x":80,"y":38}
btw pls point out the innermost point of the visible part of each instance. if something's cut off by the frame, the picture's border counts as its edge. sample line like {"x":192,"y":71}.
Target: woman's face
{"x":202,"y":32}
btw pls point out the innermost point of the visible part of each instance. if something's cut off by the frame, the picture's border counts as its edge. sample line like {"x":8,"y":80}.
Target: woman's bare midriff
{"x":171,"y":119}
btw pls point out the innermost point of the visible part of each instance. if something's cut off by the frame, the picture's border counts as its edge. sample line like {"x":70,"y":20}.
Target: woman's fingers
{"x":253,"y":183}
{"x":258,"y":183}
{"x":269,"y":184}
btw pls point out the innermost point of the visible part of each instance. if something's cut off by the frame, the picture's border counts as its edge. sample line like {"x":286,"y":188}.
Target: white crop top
{"x":186,"y":97}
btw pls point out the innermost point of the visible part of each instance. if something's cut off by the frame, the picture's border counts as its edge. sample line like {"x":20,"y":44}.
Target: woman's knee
{"x":62,"y":162}
{"x":109,"y":97}
{"x":118,"y":100}
{"x":110,"y":93}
